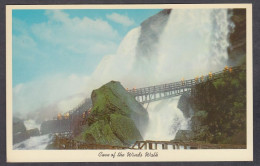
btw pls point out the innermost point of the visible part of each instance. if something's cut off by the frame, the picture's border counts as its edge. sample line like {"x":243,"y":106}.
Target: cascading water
{"x":34,"y":143}
{"x":194,"y":42}
{"x":165,"y":120}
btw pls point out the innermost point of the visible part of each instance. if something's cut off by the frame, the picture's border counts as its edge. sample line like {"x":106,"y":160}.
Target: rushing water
{"x":34,"y":143}
{"x":193,"y":43}
{"x":31,"y":124}
{"x":165,"y":120}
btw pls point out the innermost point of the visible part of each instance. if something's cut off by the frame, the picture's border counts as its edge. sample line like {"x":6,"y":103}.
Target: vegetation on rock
{"x":101,"y":133}
{"x":220,"y":109}
{"x":184,"y":135}
{"x":114,"y":118}
{"x":124,"y":128}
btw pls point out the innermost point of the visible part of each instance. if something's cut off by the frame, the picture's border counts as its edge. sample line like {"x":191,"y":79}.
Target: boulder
{"x":116,"y":118}
{"x":19,"y":131}
{"x":18,"y":125}
{"x":101,"y":133}
{"x":20,"y":136}
{"x":33,"y":132}
{"x":124,"y":128}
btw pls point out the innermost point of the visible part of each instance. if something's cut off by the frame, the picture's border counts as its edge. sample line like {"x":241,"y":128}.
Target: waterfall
{"x":165,"y":119}
{"x":193,"y":43}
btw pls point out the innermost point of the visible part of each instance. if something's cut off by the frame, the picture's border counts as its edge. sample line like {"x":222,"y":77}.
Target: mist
{"x":191,"y":43}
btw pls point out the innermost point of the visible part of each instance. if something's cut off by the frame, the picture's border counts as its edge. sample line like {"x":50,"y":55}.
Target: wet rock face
{"x":19,"y":131}
{"x":237,"y":38}
{"x":18,"y":126}
{"x":184,"y":105}
{"x":33,"y":132}
{"x":20,"y":136}
{"x":150,"y":33}
{"x":184,"y":135}
{"x":116,"y":117}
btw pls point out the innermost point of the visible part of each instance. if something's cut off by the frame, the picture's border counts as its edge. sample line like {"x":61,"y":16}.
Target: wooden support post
{"x":150,"y":146}
{"x":173,"y":146}
{"x":155,"y":146}
{"x":185,"y":146}
{"x":166,"y":146}
{"x":145,"y":145}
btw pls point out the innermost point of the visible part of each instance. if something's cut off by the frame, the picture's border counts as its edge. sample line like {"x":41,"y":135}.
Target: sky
{"x":49,"y":42}
{"x":55,"y":52}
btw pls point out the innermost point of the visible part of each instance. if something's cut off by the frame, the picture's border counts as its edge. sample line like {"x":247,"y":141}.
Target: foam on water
{"x":34,"y":143}
{"x":31,"y":124}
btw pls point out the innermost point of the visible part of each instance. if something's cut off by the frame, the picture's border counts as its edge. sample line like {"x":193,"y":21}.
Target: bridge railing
{"x":154,"y":145}
{"x":179,"y":84}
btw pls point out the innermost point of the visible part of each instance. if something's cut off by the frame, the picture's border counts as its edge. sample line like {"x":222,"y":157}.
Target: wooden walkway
{"x":154,"y":145}
{"x":63,"y":142}
{"x":164,"y":91}
{"x":78,"y":115}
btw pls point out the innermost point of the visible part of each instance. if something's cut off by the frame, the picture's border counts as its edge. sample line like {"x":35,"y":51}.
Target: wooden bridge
{"x":76,"y":117}
{"x":164,"y":91}
{"x":70,"y":121}
{"x":65,"y":142}
{"x":164,"y":145}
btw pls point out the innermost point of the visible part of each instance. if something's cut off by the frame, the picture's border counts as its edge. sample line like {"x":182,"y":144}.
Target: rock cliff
{"x":237,"y":38}
{"x":116,"y":118}
{"x":20,"y":133}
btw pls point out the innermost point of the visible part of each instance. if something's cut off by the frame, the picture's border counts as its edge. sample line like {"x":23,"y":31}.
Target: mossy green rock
{"x":101,"y":133}
{"x":116,"y":118}
{"x":124,"y":128}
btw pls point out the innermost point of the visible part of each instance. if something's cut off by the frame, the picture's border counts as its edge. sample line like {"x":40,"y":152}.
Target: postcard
{"x":113,"y":83}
